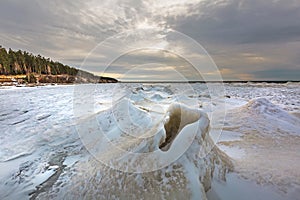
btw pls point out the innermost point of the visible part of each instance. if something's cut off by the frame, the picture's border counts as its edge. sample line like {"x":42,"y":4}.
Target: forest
{"x":21,"y":62}
{"x":43,"y":69}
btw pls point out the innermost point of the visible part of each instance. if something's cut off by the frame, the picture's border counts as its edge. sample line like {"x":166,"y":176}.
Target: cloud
{"x":253,"y":39}
{"x":273,"y":74}
{"x":241,"y":21}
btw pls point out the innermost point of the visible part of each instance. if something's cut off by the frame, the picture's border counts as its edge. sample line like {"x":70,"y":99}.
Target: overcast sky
{"x":247,"y":39}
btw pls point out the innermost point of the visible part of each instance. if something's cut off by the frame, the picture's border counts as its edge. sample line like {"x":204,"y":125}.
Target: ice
{"x":268,"y":143}
{"x":237,"y":187}
{"x":42,"y":155}
{"x":151,"y":126}
{"x":286,"y":95}
{"x":263,"y":111}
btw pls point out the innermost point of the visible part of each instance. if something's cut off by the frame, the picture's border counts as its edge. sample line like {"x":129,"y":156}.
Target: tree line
{"x":21,"y":62}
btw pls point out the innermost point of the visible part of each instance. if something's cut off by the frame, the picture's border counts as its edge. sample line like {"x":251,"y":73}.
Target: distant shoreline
{"x":64,"y":79}
{"x":33,"y":80}
{"x":44,"y":84}
{"x":279,"y":82}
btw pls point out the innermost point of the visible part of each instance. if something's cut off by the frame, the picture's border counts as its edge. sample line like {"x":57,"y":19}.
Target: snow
{"x":45,"y":143}
{"x":236,"y":187}
{"x":265,"y":143}
{"x":137,"y":141}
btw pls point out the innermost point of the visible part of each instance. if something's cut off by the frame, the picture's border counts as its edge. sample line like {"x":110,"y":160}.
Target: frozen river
{"x":47,"y":149}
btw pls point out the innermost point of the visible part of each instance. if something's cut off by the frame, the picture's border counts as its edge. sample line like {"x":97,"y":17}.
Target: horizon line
{"x":225,"y":81}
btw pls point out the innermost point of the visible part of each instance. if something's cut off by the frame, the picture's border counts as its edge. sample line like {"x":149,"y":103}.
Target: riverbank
{"x":33,"y":80}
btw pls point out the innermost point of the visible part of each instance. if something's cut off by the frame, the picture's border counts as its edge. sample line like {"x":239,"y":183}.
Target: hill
{"x":26,"y":67}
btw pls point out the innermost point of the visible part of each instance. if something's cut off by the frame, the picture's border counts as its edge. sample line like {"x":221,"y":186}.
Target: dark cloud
{"x":246,"y":38}
{"x":240,"y":22}
{"x":277,"y":74}
{"x":232,"y":29}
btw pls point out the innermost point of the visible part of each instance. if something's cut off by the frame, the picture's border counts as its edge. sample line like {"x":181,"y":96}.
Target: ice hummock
{"x":267,"y":137}
{"x":148,"y":156}
{"x":265,"y":107}
{"x":264,"y":112}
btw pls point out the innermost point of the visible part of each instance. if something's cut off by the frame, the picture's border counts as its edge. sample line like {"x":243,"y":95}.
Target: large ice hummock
{"x":149,"y":154}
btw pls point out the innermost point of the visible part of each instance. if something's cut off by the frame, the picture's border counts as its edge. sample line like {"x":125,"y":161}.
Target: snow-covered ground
{"x":53,"y":145}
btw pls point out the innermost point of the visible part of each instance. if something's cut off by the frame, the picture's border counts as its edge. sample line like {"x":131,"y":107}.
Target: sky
{"x":160,"y":40}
